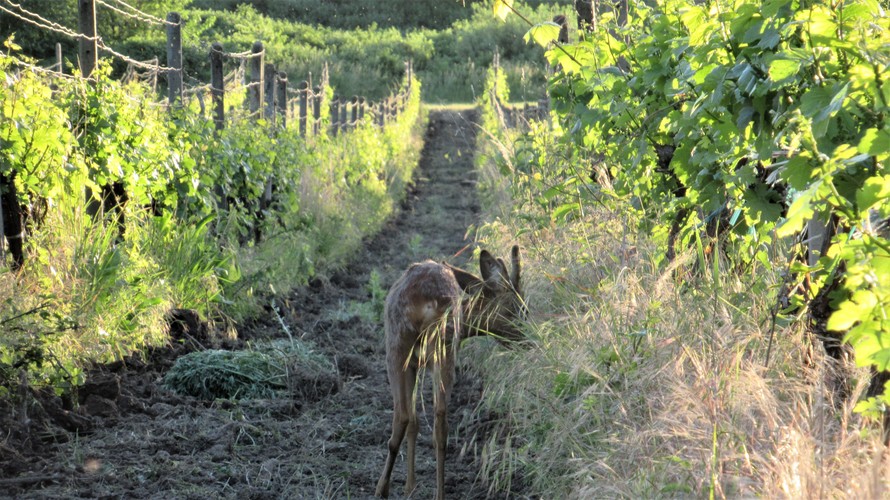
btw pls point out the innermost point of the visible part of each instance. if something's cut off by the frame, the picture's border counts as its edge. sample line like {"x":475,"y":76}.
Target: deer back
{"x":421,"y":298}
{"x":428,"y":291}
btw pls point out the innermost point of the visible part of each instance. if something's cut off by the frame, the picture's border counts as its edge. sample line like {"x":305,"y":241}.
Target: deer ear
{"x":492,"y":269}
{"x":468,"y":282}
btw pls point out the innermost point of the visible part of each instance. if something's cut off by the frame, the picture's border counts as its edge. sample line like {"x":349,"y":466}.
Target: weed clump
{"x":270,"y":371}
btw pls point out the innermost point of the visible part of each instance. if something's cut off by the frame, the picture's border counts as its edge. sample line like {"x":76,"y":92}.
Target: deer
{"x":428,"y":311}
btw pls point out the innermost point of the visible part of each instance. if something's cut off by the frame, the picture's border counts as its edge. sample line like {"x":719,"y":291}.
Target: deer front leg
{"x":395,"y":442}
{"x":410,"y":381}
{"x":440,"y":428}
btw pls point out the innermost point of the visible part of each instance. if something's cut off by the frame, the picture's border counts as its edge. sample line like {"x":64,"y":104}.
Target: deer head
{"x":494,"y":302}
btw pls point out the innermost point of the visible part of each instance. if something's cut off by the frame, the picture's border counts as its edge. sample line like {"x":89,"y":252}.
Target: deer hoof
{"x":382,"y":489}
{"x":409,"y":488}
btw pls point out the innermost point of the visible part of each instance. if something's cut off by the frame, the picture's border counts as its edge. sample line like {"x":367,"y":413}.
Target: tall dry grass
{"x":649,"y":380}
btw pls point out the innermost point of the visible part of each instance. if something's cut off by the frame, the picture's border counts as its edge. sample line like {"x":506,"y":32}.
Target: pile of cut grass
{"x":267,"y":371}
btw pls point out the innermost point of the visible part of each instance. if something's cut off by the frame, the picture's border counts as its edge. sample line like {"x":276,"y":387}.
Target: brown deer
{"x":426,"y":315}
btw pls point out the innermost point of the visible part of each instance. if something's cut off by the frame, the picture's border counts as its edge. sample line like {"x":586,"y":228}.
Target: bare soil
{"x":125,"y":436}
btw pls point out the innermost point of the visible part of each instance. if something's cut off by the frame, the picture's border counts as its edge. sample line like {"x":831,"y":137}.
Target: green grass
{"x":647,"y":379}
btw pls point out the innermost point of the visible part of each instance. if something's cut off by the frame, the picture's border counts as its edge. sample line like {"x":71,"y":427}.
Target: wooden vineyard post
{"x":113,"y":195}
{"x":586,"y":19}
{"x":304,"y":106}
{"x":255,"y":90}
{"x":218,"y":97}
{"x":269,"y":84}
{"x":60,"y":66}
{"x":174,"y":58}
{"x":255,"y":97}
{"x":361,"y":109}
{"x":88,"y":42}
{"x":407,"y":75}
{"x":316,"y":112}
{"x":217,"y":85}
{"x":563,"y":23}
{"x":335,"y":116}
{"x":281,"y":98}
{"x":12,"y":219}
{"x":354,"y":121}
{"x":381,"y":117}
{"x":269,"y":76}
{"x":87,"y":49}
{"x":344,"y":117}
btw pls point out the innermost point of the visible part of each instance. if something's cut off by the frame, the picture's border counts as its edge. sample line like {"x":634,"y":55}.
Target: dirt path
{"x":153,"y":444}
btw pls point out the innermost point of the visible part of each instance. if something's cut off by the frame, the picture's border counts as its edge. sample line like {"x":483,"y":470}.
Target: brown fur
{"x":426,"y":316}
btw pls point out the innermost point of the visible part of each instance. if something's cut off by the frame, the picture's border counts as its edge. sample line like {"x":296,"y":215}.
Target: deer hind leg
{"x":444,"y":382}
{"x":410,"y":383}
{"x":403,"y":413}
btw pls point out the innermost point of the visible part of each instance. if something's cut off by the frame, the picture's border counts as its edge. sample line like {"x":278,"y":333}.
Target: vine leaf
{"x":797,"y":172}
{"x":852,"y":311}
{"x":781,"y":69}
{"x":875,"y":142}
{"x":874,"y":191}
{"x":820,"y":103}
{"x":543,"y":34}
{"x":798,"y":213}
{"x":502,"y":9}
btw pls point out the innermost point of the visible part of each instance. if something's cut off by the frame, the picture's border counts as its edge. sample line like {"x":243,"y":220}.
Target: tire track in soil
{"x":155,"y":444}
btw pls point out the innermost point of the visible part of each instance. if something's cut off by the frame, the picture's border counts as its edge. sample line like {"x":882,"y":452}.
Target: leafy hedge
{"x":91,"y":290}
{"x":749,"y":119}
{"x":363,"y":58}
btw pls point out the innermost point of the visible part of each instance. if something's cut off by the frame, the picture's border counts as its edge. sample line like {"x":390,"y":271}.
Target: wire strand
{"x":138,"y":15}
{"x":43,"y":22}
{"x":39,"y":69}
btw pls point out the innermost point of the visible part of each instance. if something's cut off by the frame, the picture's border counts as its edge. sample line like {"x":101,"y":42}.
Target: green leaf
{"x":563,"y":59}
{"x":780,"y":69}
{"x":875,"y":190}
{"x":502,"y":9}
{"x":697,"y":22}
{"x":820,"y":23}
{"x":875,"y":142}
{"x":760,"y":207}
{"x":746,"y":115}
{"x":851,"y":311}
{"x":563,"y":211}
{"x":797,"y":172}
{"x":820,"y":103}
{"x":866,"y":339}
{"x":871,"y":407}
{"x":543,"y":34}
{"x":798,"y":213}
{"x":770,"y":39}
{"x":771,"y":7}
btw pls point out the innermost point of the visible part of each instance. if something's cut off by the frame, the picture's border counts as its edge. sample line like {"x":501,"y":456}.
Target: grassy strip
{"x":645,"y":380}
